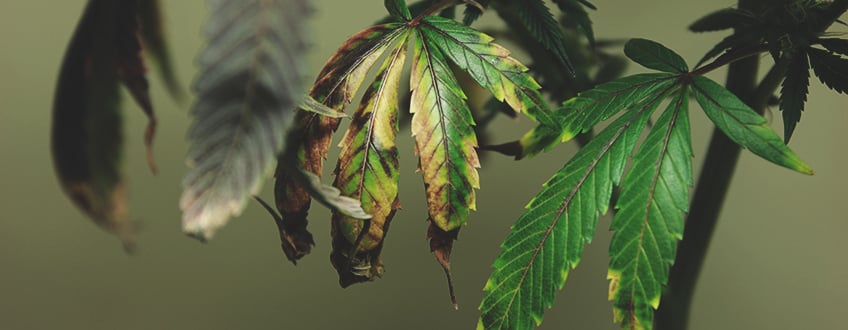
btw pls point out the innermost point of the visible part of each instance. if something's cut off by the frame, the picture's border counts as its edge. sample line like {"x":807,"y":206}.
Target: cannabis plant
{"x":412,"y":73}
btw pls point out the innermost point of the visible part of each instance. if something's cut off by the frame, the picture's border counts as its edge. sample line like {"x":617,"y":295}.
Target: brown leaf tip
{"x":441,"y":244}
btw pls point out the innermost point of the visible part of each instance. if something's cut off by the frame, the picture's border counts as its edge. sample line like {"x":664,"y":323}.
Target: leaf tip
{"x":441,"y":244}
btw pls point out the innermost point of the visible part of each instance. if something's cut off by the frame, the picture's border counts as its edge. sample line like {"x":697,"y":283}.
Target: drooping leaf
{"x":581,"y":113}
{"x":249,"y":83}
{"x":444,"y":136}
{"x":722,"y":19}
{"x":548,"y":239}
{"x":489,"y":64}
{"x":398,"y":9}
{"x":446,"y":143}
{"x":743,"y":125}
{"x":153,"y":35}
{"x":132,"y":70}
{"x":310,"y":139}
{"x":653,"y":55}
{"x":831,"y":69}
{"x":87,"y":132}
{"x":793,"y":93}
{"x":368,"y":171}
{"x":543,"y":27}
{"x":839,"y":46}
{"x":649,"y":220}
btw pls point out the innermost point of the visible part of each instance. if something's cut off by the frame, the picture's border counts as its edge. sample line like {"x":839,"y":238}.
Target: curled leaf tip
{"x":441,"y":244}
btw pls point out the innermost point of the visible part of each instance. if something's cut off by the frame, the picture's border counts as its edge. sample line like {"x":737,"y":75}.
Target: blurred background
{"x":777,"y":260}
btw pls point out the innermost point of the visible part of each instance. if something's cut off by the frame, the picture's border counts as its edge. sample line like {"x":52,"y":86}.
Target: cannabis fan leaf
{"x":548,"y":239}
{"x":788,"y":31}
{"x":248,"y":85}
{"x":442,"y":125}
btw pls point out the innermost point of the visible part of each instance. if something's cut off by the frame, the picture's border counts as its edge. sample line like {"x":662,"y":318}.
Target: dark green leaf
{"x":839,"y":46}
{"x":248,"y":86}
{"x":579,"y":16}
{"x":649,"y":220}
{"x":548,"y":239}
{"x":723,"y":19}
{"x":743,"y":125}
{"x":398,"y":8}
{"x":472,"y":12}
{"x":543,"y":27}
{"x":153,"y":35}
{"x":733,"y":41}
{"x":793,"y":93}
{"x":831,"y":69}
{"x":653,"y":55}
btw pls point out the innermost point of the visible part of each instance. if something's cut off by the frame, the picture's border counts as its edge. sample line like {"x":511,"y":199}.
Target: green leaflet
{"x":398,"y":9}
{"x":87,"y":132}
{"x":548,"y":239}
{"x":793,"y":93}
{"x":581,"y":113}
{"x":334,"y":87}
{"x":653,"y":55}
{"x":649,"y":221}
{"x":248,"y":85}
{"x":444,"y":136}
{"x":743,"y":125}
{"x":489,"y":64}
{"x":368,"y":170}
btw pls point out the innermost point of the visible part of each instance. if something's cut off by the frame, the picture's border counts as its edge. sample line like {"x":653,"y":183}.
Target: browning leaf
{"x":310,"y":139}
{"x":87,"y":129}
{"x":368,"y":170}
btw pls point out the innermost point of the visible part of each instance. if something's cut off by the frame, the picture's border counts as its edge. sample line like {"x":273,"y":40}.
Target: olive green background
{"x":777,"y":260}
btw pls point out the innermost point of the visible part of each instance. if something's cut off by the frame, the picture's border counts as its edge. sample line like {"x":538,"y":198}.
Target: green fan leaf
{"x":398,"y":9}
{"x":368,"y":170}
{"x":743,"y":125}
{"x":334,"y":88}
{"x":581,"y":113}
{"x":248,"y":85}
{"x":543,"y":27}
{"x":653,"y":55}
{"x":87,"y":132}
{"x":831,"y":69}
{"x":723,"y":19}
{"x":793,"y":93}
{"x":548,"y":239}
{"x":649,"y":220}
{"x":444,"y":137}
{"x":489,"y":64}
{"x":153,"y":35}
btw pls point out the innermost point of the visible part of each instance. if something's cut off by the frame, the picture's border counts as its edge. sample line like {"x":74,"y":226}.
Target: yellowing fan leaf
{"x":444,"y":137}
{"x":310,"y":139}
{"x":368,"y":171}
